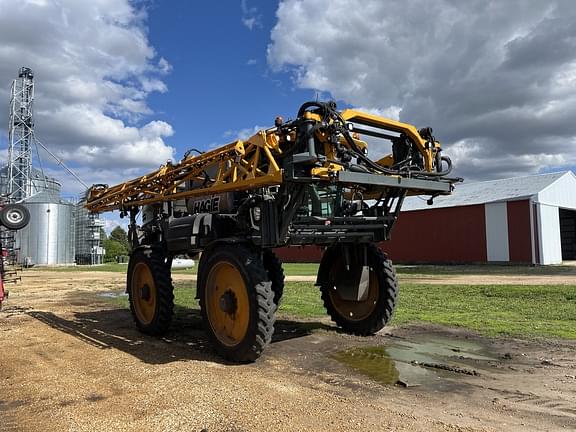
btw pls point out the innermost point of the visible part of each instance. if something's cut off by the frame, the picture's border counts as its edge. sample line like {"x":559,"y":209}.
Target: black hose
{"x":294,"y":146}
{"x":440,"y":173}
{"x":189,"y":151}
{"x":329,"y":110}
{"x":360,"y":155}
{"x":325,"y":107}
{"x":307,"y":105}
{"x":383,"y":170}
{"x":359,"y":168}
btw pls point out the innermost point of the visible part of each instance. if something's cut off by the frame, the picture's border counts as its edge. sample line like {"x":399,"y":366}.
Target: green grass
{"x":311,"y":269}
{"x":481,"y":269}
{"x":109,"y":267}
{"x":492,"y":310}
{"x":297,"y":269}
{"x":300,"y":269}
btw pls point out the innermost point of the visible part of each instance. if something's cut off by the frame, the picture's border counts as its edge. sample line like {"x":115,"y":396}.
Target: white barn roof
{"x":511,"y":189}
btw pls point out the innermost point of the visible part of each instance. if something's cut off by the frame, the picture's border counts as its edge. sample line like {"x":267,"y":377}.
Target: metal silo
{"x":49,"y":237}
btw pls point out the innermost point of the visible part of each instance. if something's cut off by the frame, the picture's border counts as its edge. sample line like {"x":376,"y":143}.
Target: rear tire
{"x":150,"y":291}
{"x":365,"y":317}
{"x":236,"y":302}
{"x":14,"y":216}
{"x":275,"y":271}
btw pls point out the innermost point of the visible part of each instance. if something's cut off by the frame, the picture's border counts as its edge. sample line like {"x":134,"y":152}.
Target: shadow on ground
{"x":186,"y":340}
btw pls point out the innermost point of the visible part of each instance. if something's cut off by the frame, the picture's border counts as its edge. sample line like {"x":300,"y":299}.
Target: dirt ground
{"x":69,"y":361}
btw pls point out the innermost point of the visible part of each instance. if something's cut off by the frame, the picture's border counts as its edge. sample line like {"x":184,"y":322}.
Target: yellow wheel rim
{"x":143,"y":293}
{"x":227,"y":304}
{"x":354,"y":310}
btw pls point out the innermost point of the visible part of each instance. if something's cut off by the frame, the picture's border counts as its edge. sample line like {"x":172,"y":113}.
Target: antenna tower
{"x":21,"y":136}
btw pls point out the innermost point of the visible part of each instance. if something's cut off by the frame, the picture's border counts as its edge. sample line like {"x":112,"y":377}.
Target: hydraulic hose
{"x":383,"y":170}
{"x":329,"y":110}
{"x":327,"y":107}
{"x":447,"y":171}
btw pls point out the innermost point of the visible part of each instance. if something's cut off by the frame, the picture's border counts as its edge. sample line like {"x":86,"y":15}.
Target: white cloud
{"x":391,"y":112}
{"x":499,"y":75}
{"x":251,"y":18}
{"x":113,"y":220}
{"x":153,"y":85}
{"x":164,"y":66}
{"x":94,"y":70}
{"x":109,"y":224}
{"x":242,"y":134}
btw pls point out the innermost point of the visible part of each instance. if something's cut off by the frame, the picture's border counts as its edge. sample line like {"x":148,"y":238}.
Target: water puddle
{"x":412,"y":363}
{"x":374,"y":362}
{"x":113,"y":294}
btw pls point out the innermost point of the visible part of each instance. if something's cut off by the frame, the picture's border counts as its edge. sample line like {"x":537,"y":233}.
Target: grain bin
{"x":49,"y":237}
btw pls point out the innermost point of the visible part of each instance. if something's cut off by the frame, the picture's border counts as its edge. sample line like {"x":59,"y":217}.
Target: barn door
{"x":568,"y":234}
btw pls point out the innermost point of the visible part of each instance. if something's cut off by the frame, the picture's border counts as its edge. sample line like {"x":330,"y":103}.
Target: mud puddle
{"x":113,"y":294}
{"x":436,"y":363}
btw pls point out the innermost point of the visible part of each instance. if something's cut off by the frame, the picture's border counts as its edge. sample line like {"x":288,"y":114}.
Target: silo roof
{"x":510,"y":189}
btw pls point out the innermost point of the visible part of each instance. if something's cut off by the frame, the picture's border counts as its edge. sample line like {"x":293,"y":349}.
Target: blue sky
{"x":220,"y":82}
{"x":124,"y":85}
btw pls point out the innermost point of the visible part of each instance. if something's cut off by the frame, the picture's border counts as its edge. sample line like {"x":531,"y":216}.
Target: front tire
{"x":370,"y":315}
{"x":236,"y":302}
{"x":150,"y":290}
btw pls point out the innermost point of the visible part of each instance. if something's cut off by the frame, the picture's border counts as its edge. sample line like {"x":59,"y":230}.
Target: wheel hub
{"x":15,"y":216}
{"x":145,"y":292}
{"x":228,"y":302}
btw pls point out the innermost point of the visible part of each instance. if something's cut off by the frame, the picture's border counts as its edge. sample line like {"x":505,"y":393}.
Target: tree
{"x":118,"y":234}
{"x":113,"y":249}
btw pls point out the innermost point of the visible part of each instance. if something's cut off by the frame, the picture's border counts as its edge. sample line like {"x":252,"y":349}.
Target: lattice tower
{"x":21,"y":136}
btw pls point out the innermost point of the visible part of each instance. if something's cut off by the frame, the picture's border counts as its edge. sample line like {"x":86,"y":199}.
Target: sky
{"x":122,"y":86}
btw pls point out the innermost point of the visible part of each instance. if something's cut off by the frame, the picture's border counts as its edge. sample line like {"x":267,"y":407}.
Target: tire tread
{"x":262,"y":298}
{"x":161,"y":273}
{"x":387,"y":298}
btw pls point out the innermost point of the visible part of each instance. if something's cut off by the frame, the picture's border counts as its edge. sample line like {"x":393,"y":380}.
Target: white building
{"x":524,"y":219}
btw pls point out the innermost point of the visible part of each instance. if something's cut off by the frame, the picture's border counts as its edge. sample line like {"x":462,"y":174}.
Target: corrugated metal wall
{"x":452,"y":235}
{"x":549,"y":234}
{"x":49,"y":237}
{"x":302,"y":254}
{"x":497,"y":249}
{"x":519,"y":231}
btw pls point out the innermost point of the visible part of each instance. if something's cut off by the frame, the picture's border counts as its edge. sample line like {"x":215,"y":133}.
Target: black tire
{"x":275,"y":271}
{"x":377,"y":309}
{"x":14,"y":216}
{"x":246,"y":301}
{"x":160,"y":310}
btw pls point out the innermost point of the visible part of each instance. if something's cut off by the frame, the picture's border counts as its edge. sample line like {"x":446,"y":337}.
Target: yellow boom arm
{"x":237,"y":167}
